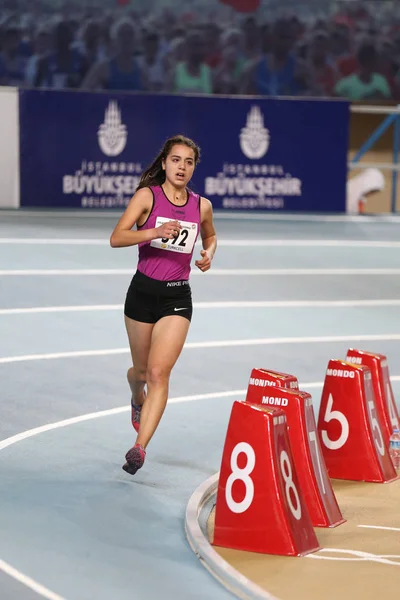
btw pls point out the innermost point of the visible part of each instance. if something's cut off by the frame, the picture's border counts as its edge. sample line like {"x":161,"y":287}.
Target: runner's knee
{"x":158,"y":375}
{"x":137,"y":374}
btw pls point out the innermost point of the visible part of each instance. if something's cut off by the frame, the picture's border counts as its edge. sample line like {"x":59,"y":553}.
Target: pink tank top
{"x":164,"y":259}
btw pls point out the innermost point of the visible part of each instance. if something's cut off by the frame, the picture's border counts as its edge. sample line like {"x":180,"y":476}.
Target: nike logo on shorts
{"x":176,"y":309}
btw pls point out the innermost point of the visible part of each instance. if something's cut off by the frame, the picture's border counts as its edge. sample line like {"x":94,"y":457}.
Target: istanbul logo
{"x":112,"y":133}
{"x":254,"y":138}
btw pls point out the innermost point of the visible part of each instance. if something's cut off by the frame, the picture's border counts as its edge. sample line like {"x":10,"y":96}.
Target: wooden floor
{"x":360,"y":563}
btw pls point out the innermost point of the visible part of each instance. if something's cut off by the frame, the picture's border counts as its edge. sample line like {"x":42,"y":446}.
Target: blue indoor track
{"x":285,"y":293}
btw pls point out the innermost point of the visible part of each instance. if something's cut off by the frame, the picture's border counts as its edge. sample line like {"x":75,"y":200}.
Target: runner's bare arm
{"x":139,"y":206}
{"x":208,"y":236}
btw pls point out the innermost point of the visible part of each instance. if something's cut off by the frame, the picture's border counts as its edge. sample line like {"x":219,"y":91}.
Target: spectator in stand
{"x":83,"y":49}
{"x":151,"y":62}
{"x":121,"y":72}
{"x":342,"y":54}
{"x":318,"y":76}
{"x":192,"y":75}
{"x":212,"y":44}
{"x":367,"y":83}
{"x":42,"y":48}
{"x":175,"y":54}
{"x":90,"y":44}
{"x":106,"y":43}
{"x":274,"y":74}
{"x":12,"y":59}
{"x":27,"y":29}
{"x":300,"y":30}
{"x":228,"y":74}
{"x":252,"y":39}
{"x":65,"y":66}
{"x":396,"y":46}
{"x":389,"y":65}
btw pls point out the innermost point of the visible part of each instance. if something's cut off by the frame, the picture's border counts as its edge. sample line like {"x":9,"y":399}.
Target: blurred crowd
{"x":346,"y":52}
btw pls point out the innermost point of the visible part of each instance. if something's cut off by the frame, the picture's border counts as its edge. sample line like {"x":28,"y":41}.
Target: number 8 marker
{"x":241,"y":475}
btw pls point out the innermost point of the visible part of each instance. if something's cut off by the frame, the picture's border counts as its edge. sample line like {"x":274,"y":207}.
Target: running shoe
{"x":135,"y":413}
{"x":134,"y":459}
{"x":135,"y":416}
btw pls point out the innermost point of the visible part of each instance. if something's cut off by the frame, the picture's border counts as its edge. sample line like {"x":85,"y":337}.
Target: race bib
{"x":185,"y":240}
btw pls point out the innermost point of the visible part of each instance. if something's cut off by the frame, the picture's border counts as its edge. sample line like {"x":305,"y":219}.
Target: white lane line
{"x":213,"y":272}
{"x":63,"y":272}
{"x":28,"y":582}
{"x":365,"y":219}
{"x":238,"y":215}
{"x":217,"y":305}
{"x":106,"y":413}
{"x":21,"y":213}
{"x":216,"y":344}
{"x":121,"y":409}
{"x":293,"y":243}
{"x":56,"y":355}
{"x":114,"y":411}
{"x":55,"y":241}
{"x":379,"y":527}
{"x":235,"y":243}
{"x":58,"y":309}
{"x":359,"y":555}
{"x":31,"y":583}
{"x":6,"y":568}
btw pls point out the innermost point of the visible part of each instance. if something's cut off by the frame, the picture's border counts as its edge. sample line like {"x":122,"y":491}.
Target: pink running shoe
{"x":134,"y":459}
{"x":135,"y":416}
{"x":135,"y":413}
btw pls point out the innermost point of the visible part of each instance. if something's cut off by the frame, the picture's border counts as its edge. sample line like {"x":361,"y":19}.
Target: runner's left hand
{"x":205,"y":263}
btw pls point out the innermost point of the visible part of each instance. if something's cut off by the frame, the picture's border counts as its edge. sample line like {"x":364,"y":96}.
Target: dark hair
{"x":154,"y":174}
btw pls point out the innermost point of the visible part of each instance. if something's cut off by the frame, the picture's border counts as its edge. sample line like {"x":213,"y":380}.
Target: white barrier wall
{"x":9,"y":148}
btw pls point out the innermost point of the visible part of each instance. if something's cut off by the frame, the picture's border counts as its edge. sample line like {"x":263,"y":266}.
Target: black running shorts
{"x":149,"y":300}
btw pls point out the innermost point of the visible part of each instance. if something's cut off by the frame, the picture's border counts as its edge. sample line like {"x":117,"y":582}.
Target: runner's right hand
{"x":169,"y":230}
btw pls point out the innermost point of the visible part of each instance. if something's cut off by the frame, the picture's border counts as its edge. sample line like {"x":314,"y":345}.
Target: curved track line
{"x":11,"y":571}
{"x":217,"y":344}
{"x":28,"y":582}
{"x":243,"y":587}
{"x":227,"y":575}
{"x":114,"y":411}
{"x":106,"y":413}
